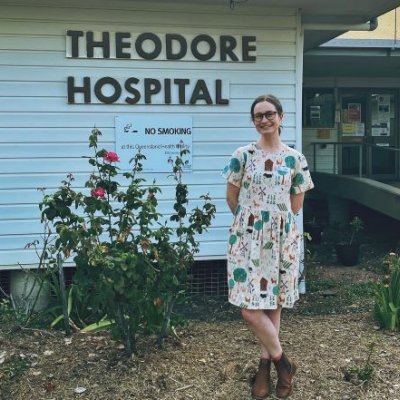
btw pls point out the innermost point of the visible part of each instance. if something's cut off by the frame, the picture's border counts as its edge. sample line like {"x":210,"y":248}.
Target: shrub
{"x":127,"y":262}
{"x":387,"y":295}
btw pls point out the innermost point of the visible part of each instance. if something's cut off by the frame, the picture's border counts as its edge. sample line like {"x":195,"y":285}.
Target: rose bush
{"x":131,"y":266}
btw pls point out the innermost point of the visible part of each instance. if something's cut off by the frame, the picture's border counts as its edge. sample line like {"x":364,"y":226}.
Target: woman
{"x":266,"y":184}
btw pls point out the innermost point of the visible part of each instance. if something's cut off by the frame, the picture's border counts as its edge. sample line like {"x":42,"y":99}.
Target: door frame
{"x":367,"y":138}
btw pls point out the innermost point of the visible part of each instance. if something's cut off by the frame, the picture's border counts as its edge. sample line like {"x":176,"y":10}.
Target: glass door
{"x":369,"y":128}
{"x":382,"y":132}
{"x":353,"y":117}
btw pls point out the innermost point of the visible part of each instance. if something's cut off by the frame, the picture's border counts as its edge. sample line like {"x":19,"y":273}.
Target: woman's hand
{"x":232,"y":196}
{"x":296,"y":201}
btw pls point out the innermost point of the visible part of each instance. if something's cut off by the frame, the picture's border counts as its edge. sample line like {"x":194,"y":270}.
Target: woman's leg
{"x":265,"y":325}
{"x":275,"y":317}
{"x":266,"y":328}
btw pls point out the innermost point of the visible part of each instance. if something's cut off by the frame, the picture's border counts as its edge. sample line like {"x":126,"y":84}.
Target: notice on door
{"x":160,"y":139}
{"x":354,"y":112}
{"x":353,"y":129}
{"x":380,"y":116}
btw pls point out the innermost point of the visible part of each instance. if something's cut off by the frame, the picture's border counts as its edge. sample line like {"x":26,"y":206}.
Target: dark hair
{"x":270,"y":98}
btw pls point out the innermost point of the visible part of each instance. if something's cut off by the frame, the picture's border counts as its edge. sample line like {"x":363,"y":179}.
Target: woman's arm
{"x":232,"y":196}
{"x":296,"y":200}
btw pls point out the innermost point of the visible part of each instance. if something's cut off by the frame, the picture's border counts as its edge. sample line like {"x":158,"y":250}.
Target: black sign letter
{"x":120,"y":45}
{"x":218,"y":93}
{"x":212,"y":47}
{"x":136,"y":94}
{"x":151,"y":86}
{"x":75,"y":35}
{"x":181,"y":41}
{"x":227,"y":44}
{"x":107,"y":81}
{"x":247,"y":47}
{"x":200,"y":92}
{"x":72,"y":89}
{"x":139,"y":46}
{"x":104,"y":44}
{"x":181,"y":85}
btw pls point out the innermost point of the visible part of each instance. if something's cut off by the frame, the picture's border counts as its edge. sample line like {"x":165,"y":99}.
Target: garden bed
{"x":329,"y":334}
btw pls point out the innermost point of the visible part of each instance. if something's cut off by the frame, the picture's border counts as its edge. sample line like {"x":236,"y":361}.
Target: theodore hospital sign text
{"x":149,"y":46}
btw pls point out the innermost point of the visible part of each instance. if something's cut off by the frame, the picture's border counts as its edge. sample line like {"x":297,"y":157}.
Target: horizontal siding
{"x":58,"y":89}
{"x":240,"y":75}
{"x":19,"y":227}
{"x":18,"y":242}
{"x":57,"y":60}
{"x":215,"y":249}
{"x":52,"y":180}
{"x":37,"y":150}
{"x":176,"y":18}
{"x":27,"y":200}
{"x":201,"y":118}
{"x":43,"y":138}
{"x":79,"y":135}
{"x":324,"y":158}
{"x":17,"y":212}
{"x":200,"y":163}
{"x":48,"y":29}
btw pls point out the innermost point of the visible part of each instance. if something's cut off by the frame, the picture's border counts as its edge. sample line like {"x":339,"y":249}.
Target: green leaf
{"x":98,"y":326}
{"x":56,"y":321}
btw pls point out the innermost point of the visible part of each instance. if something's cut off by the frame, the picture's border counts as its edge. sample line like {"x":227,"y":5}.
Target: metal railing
{"x":365,"y":151}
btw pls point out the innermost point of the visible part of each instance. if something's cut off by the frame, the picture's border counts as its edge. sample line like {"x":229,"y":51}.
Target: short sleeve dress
{"x":264,"y":242}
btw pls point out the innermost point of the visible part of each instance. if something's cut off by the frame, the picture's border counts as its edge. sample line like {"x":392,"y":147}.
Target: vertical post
{"x":64,"y":301}
{"x":314,"y":157}
{"x":360,"y":148}
{"x":334,"y":157}
{"x":370,"y":170}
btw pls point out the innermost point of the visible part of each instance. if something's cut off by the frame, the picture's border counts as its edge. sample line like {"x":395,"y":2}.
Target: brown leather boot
{"x":285,"y":370}
{"x":262,"y":381}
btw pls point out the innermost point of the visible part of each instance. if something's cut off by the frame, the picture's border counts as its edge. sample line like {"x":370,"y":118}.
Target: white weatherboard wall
{"x":326,"y":159}
{"x":42,"y":137}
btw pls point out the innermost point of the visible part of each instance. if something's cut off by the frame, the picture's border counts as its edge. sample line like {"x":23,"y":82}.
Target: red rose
{"x":98,"y":192}
{"x":111,"y":156}
{"x":157,"y":302}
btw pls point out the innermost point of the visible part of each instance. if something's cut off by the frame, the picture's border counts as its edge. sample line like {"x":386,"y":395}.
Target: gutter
{"x":368,"y":26}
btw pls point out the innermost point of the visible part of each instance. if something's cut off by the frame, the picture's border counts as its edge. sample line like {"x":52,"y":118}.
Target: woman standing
{"x":266,"y":185}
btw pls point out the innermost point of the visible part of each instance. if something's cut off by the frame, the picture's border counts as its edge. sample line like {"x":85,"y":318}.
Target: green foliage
{"x":14,"y":367}
{"x":387,"y":295}
{"x":329,"y":296}
{"x":130,"y":267}
{"x":7,"y":313}
{"x":364,"y":373}
{"x":21,"y":309}
{"x":356,"y":225}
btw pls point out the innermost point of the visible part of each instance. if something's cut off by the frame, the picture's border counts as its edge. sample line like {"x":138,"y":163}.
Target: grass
{"x":15,"y":367}
{"x":327,"y":296}
{"x":323,"y":296}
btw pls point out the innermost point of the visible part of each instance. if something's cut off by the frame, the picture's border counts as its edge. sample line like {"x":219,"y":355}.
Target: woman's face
{"x":266,"y":118}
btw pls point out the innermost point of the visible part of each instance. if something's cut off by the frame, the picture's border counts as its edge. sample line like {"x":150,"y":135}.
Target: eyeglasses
{"x":270,"y":115}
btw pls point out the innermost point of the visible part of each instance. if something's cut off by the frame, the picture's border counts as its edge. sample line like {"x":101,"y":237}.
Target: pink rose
{"x":98,"y":192}
{"x":111,"y":156}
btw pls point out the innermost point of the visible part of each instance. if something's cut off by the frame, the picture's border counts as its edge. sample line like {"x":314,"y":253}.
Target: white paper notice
{"x":159,"y":138}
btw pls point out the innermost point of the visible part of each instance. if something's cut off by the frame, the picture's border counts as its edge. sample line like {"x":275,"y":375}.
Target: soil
{"x":215,"y":356}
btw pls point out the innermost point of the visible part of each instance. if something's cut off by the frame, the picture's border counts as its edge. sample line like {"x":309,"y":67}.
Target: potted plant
{"x":348,"y":251}
{"x":314,"y":229}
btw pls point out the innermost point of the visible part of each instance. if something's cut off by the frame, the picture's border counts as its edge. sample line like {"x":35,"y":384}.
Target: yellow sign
{"x":323,"y":133}
{"x":348,"y":129}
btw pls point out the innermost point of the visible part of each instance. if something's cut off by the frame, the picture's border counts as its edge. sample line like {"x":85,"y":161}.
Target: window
{"x":319,"y":108}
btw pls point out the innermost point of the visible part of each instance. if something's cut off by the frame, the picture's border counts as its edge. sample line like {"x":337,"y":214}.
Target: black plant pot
{"x":315,"y":232}
{"x":348,"y":254}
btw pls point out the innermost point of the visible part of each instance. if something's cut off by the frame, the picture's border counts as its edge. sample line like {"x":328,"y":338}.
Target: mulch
{"x":209,"y":361}
{"x":214,"y":357}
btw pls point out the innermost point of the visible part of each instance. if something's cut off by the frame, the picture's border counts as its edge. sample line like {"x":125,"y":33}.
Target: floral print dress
{"x":264,"y":242}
